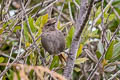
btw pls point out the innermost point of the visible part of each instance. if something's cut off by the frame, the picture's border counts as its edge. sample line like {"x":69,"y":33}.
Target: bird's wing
{"x":60,"y":41}
{"x":47,"y":43}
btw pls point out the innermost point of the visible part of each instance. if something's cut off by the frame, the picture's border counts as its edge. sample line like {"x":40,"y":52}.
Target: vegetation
{"x":91,"y":29}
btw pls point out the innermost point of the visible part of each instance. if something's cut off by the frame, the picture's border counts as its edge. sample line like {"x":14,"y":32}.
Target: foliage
{"x":17,"y":43}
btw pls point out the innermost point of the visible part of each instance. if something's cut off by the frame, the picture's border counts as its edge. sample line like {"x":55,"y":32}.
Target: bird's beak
{"x":52,"y":20}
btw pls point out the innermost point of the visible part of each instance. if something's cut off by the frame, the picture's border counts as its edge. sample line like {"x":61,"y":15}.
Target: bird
{"x":52,"y":40}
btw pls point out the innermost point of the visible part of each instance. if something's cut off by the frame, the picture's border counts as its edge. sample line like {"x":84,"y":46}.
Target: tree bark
{"x":80,"y":24}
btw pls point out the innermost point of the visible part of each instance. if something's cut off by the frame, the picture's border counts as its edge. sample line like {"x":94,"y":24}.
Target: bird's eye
{"x":48,"y":24}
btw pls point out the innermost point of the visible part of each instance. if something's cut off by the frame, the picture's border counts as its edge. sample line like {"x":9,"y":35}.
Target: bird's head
{"x":50,"y":25}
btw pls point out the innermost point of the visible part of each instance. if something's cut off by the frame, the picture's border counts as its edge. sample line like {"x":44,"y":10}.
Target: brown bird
{"x":53,"y":40}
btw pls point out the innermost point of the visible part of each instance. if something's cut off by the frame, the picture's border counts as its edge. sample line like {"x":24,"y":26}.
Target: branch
{"x":116,"y":13}
{"x":70,"y":12}
{"x":31,"y":34}
{"x":98,"y":17}
{"x":80,"y":25}
{"x":2,"y":6}
{"x":113,"y":76}
{"x":96,"y":66}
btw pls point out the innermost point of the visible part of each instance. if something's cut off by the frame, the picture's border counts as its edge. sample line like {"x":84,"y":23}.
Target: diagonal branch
{"x":80,"y":25}
{"x":29,"y":29}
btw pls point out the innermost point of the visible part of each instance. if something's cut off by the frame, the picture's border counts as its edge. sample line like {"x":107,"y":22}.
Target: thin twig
{"x":10,"y":57}
{"x":69,"y":7}
{"x":37,"y":5}
{"x":9,"y":66}
{"x":7,"y":6}
{"x":103,"y":11}
{"x":47,"y":7}
{"x":2,"y":6}
{"x":60,"y":13}
{"x":96,"y":66}
{"x":113,"y":76}
{"x":29,"y":29}
{"x":102,"y":23}
{"x":114,"y":11}
{"x":15,"y":61}
{"x":5,"y":55}
{"x":76,"y":4}
{"x":21,"y":36}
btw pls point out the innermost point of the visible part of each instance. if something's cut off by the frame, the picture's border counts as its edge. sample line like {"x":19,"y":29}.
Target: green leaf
{"x":108,"y":35}
{"x":1,"y":59}
{"x":98,"y":54}
{"x":93,"y":34}
{"x":33,"y":58}
{"x":38,"y":21}
{"x":100,"y":47}
{"x":17,"y":28}
{"x":1,"y":30}
{"x":44,"y":19}
{"x":26,"y":33}
{"x":69,"y":37}
{"x":5,"y":25}
{"x":41,"y":22}
{"x":10,"y":75}
{"x":78,"y":1}
{"x":77,"y":69}
{"x":55,"y":62}
{"x":79,"y":50}
{"x":111,"y":17}
{"x":116,"y":50}
{"x":31,"y":23}
{"x":109,"y":52}
{"x":110,"y":68}
{"x":69,"y":0}
{"x":105,"y":14}
{"x":81,"y":60}
{"x":97,"y":13}
{"x":58,"y":25}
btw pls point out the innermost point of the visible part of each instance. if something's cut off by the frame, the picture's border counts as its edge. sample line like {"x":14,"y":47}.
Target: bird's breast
{"x":53,"y":42}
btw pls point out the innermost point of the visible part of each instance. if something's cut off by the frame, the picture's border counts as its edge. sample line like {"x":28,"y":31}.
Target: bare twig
{"x":96,"y":66}
{"x":113,"y":76}
{"x":2,"y":6}
{"x":102,"y":23}
{"x":28,"y":2}
{"x":10,"y":57}
{"x":21,"y":36}
{"x":62,"y":14}
{"x":29,"y":29}
{"x":69,"y":6}
{"x":103,"y":11}
{"x":112,"y":64}
{"x":5,"y":55}
{"x":47,"y":7}
{"x":76,"y":4}
{"x":9,"y":66}
{"x":15,"y":61}
{"x":37,"y":5}
{"x":114,"y":11}
{"x":7,"y":5}
{"x":27,"y":10}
